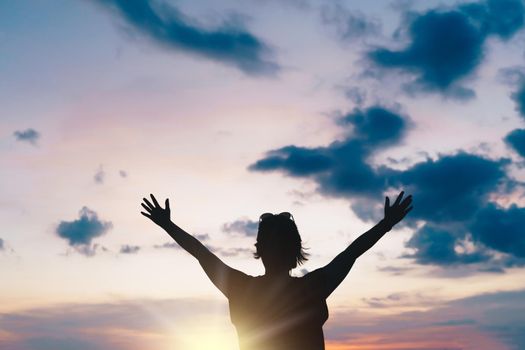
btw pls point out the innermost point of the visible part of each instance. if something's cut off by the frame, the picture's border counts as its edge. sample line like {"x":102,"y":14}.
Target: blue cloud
{"x":376,"y":126}
{"x":453,"y":187}
{"x":501,"y":229}
{"x":436,"y":246}
{"x":447,"y":46}
{"x":164,"y":24}
{"x":516,"y":139}
{"x":519,"y":97}
{"x":29,"y":135}
{"x":342,"y":167}
{"x":246,"y":227}
{"x":79,"y":233}
{"x":502,"y":18}
{"x":449,"y":191}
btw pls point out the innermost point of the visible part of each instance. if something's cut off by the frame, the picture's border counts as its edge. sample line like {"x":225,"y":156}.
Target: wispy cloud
{"x":129,"y":249}
{"x":165,"y":25}
{"x":244,"y":227}
{"x":349,"y":25}
{"x":129,"y":325}
{"x":30,"y":136}
{"x":484,"y":322}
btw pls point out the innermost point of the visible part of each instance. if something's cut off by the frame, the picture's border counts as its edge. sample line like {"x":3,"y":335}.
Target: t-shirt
{"x":278,"y":315}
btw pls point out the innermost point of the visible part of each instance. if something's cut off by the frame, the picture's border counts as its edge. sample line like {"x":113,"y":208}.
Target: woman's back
{"x":274,"y":314}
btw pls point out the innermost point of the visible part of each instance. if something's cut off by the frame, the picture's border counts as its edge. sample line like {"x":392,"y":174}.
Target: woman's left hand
{"x":396,"y":212}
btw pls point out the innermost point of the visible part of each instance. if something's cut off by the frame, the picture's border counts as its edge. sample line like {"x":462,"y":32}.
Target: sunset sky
{"x":233,"y":108}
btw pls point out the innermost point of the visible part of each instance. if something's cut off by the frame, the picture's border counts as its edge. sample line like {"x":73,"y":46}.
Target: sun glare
{"x":205,"y":338}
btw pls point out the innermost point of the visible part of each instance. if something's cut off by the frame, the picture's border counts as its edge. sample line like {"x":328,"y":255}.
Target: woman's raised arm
{"x":222,"y":275}
{"x":335,"y":272}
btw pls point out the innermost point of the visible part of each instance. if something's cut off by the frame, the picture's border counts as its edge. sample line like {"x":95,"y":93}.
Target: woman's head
{"x":278,"y":242}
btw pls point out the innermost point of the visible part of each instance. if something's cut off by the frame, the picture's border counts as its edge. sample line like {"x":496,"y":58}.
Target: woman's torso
{"x":278,"y":314}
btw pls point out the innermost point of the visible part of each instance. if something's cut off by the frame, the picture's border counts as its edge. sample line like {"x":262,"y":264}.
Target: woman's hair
{"x":278,"y":232}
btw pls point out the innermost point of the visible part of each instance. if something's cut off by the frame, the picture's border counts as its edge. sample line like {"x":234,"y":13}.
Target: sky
{"x":235,"y":108}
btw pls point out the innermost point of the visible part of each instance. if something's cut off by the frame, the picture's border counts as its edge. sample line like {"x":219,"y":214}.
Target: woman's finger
{"x":154,"y":200}
{"x":148,"y":209}
{"x":399,"y":198}
{"x":146,"y":215}
{"x":167,"y":204}
{"x":148,"y":203}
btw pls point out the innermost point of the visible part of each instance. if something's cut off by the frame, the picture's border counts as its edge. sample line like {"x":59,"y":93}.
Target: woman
{"x":276,"y":311}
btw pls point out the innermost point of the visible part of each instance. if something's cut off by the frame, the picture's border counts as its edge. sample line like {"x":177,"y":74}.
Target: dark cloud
{"x":519,"y":97}
{"x":342,"y":168}
{"x":349,"y":25}
{"x":244,"y":226}
{"x":80,"y":233}
{"x":502,"y":18}
{"x":450,"y":190}
{"x":129,"y":249}
{"x":437,"y":246}
{"x":29,"y":135}
{"x":2,"y":244}
{"x":447,"y":46}
{"x":164,"y":24}
{"x":501,"y":229}
{"x":453,"y":187}
{"x":516,"y":140}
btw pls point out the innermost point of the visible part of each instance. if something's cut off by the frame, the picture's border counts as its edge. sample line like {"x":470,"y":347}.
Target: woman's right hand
{"x":156,"y":213}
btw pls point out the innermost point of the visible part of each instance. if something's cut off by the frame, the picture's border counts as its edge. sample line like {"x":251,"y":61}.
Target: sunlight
{"x":204,"y":338}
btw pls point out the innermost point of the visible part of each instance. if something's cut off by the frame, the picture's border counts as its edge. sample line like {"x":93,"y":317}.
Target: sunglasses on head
{"x":284,"y":213}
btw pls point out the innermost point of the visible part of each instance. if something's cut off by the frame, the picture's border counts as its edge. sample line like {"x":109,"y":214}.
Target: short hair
{"x":281,"y":230}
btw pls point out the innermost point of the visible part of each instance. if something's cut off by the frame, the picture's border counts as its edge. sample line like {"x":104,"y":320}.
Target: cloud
{"x":165,"y":25}
{"x":501,"y":229}
{"x":125,"y":325}
{"x":452,"y":187}
{"x":129,"y":249}
{"x":123,"y":173}
{"x":80,"y":233}
{"x":450,"y":190}
{"x":437,"y":246}
{"x":485,"y":322}
{"x":519,"y":97}
{"x":349,"y":25}
{"x":516,"y":140}
{"x":342,"y":168}
{"x":447,"y":46}
{"x":99,"y":176}
{"x":2,"y":244}
{"x":167,"y":245}
{"x":245,"y":227}
{"x":232,"y":252}
{"x":29,"y":135}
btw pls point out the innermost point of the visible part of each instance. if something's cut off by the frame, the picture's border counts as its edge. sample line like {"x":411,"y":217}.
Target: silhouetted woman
{"x":277,"y":311}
